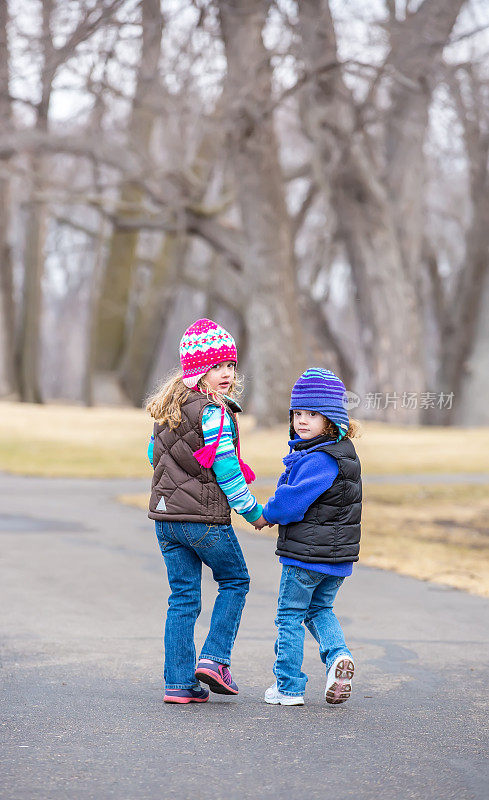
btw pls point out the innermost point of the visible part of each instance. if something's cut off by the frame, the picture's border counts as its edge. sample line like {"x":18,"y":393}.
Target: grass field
{"x":438,"y":532}
{"x":102,"y":442}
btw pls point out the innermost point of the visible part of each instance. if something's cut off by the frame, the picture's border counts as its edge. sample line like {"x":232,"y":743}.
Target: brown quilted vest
{"x":181,"y":488}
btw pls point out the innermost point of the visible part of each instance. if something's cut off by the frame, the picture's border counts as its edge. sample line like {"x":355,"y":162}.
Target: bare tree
{"x":377,"y":205}
{"x":462,"y":313}
{"x":274,"y":329}
{"x":168,"y":274}
{"x":7,"y":380}
{"x":346,"y":166}
{"x":151,"y":313}
{"x":111,"y":311}
{"x":361,"y":129}
{"x":53,"y":57}
{"x":413,"y":62}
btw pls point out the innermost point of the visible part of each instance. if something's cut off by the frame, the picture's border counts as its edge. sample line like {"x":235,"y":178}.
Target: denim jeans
{"x":305,"y":597}
{"x":185,"y":546}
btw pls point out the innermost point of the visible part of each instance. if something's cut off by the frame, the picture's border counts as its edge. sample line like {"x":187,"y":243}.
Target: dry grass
{"x":102,"y":442}
{"x":384,"y":449}
{"x":73,"y":441}
{"x":394,"y":450}
{"x":438,"y":533}
{"x":434,"y":532}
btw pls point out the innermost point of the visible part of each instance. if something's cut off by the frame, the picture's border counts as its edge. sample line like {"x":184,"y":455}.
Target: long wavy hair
{"x":165,"y":404}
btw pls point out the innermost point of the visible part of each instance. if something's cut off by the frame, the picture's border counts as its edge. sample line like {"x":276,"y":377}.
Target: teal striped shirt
{"x":226,"y":465}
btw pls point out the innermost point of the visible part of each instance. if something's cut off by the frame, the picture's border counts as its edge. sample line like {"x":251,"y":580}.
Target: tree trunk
{"x":7,"y":378}
{"x":7,"y":381}
{"x":35,"y":230}
{"x":415,"y":56}
{"x":150,"y":315}
{"x":276,"y":354}
{"x":114,"y":291}
{"x":142,"y":340}
{"x":471,"y":407}
{"x":462,"y":315}
{"x":323,"y":337}
{"x":461,"y":322}
{"x":98,"y":259}
{"x":29,"y":339}
{"x":346,"y":166}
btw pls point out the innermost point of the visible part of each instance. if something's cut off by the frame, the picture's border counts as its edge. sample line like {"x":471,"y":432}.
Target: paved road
{"x":83,"y":595}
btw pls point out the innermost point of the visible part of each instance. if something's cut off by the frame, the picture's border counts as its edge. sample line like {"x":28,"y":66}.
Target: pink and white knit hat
{"x":202,"y":345}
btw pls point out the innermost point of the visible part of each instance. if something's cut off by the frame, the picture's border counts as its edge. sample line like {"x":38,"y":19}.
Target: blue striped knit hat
{"x":321,"y":390}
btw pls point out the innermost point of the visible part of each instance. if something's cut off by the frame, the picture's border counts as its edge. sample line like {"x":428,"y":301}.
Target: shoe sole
{"x":340,"y":690}
{"x":170,"y":699}
{"x":215,"y":683}
{"x":291,"y":702}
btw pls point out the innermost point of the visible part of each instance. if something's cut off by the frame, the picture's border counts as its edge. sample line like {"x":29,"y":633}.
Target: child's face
{"x":308,"y":424}
{"x":220,"y":376}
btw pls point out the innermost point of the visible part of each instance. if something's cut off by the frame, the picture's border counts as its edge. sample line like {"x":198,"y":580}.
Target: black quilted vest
{"x":330,"y":530}
{"x":181,"y":488}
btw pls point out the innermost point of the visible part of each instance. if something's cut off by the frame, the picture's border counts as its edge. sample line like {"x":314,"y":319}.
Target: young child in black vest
{"x":317,"y":505}
{"x":198,"y":477}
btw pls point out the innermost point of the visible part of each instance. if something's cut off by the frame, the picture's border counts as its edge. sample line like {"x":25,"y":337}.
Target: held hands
{"x":261,"y":523}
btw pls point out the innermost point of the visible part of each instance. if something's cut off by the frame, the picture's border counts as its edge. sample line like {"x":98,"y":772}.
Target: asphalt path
{"x":83,"y":596}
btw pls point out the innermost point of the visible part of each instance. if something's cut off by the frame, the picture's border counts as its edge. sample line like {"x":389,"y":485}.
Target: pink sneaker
{"x":199,"y":695}
{"x":217,"y":676}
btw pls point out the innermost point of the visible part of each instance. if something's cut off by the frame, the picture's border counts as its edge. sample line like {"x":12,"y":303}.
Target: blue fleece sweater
{"x":308,"y":473}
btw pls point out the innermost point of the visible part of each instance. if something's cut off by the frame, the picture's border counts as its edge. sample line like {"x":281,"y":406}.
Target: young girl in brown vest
{"x":198,"y":477}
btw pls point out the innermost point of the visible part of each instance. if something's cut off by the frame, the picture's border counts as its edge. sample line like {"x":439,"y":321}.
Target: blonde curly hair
{"x":165,"y":404}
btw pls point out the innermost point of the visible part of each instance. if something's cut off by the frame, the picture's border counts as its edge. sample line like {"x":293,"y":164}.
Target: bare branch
{"x":90,"y":23}
{"x":298,"y":220}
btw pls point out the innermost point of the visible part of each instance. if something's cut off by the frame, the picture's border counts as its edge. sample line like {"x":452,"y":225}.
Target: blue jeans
{"x":305,"y":597}
{"x":185,"y":546}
